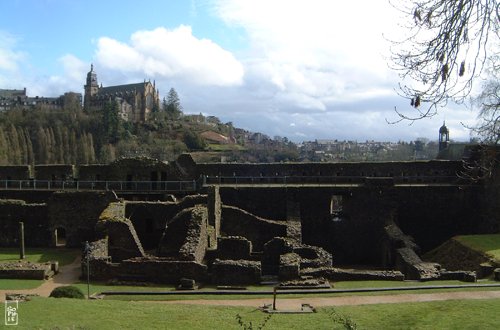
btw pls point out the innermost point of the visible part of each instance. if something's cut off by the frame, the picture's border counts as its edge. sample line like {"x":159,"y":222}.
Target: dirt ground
{"x":70,"y":273}
{"x":296,"y":303}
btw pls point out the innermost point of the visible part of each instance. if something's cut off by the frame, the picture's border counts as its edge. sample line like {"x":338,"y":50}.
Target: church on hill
{"x":135,"y":101}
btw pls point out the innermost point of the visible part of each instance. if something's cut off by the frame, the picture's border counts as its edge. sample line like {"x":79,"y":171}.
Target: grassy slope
{"x":48,"y":313}
{"x":489,"y":244}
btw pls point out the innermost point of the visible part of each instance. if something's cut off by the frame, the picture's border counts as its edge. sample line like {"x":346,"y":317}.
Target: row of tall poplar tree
{"x":48,"y":136}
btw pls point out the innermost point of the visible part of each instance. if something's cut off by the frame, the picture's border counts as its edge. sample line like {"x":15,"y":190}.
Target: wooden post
{"x":274,"y":298}
{"x":21,"y":241}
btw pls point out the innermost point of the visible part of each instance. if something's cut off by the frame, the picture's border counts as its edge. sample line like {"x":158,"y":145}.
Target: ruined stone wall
{"x":36,"y":223}
{"x":139,"y":169}
{"x":29,"y":196}
{"x":184,"y":168}
{"x":214,"y":205}
{"x":185,"y":235}
{"x":236,"y":272}
{"x":150,"y":218}
{"x":94,"y":172}
{"x":490,"y":202}
{"x":15,"y":172}
{"x":196,"y":240}
{"x":77,"y":213}
{"x":233,"y":248}
{"x":237,"y":222}
{"x":123,"y":242}
{"x":161,"y":271}
{"x":268,"y":203}
{"x":56,"y":173}
{"x":362,"y":169}
{"x":430,"y":214}
{"x":433,"y":215}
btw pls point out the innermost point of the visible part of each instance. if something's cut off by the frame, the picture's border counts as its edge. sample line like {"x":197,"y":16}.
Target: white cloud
{"x":9,"y":56}
{"x":171,"y":54}
{"x":320,"y":49}
{"x":72,"y":78}
{"x":11,"y":60}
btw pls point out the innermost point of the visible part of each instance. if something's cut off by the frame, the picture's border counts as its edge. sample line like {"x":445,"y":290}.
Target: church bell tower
{"x":91,"y":88}
{"x":444,"y":137}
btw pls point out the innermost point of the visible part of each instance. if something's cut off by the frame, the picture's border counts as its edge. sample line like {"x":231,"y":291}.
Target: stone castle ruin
{"x":237,"y":224}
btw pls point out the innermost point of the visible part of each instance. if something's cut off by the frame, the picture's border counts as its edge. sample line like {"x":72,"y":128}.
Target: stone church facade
{"x":135,"y":101}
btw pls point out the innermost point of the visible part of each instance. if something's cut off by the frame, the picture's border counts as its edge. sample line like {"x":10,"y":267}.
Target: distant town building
{"x":18,"y":98}
{"x":444,"y":137}
{"x":135,"y":101}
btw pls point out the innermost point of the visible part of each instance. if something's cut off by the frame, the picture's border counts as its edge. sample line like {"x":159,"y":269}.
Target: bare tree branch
{"x":448,"y":44}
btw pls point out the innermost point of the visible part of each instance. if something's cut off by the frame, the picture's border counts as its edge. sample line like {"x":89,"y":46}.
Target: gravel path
{"x":295,"y":303}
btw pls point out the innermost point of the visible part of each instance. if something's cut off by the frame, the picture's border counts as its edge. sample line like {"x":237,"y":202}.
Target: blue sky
{"x":314,"y":69}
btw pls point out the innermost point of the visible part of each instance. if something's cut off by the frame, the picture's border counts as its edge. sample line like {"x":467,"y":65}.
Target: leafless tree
{"x":446,"y":49}
{"x":488,"y":103}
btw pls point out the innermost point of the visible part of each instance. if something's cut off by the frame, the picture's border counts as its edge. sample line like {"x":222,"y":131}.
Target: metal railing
{"x":126,"y":186}
{"x":343,"y":180}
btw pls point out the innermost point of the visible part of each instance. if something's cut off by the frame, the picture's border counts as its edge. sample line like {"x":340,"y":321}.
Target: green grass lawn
{"x":15,"y":284}
{"x":51,"y":313}
{"x":489,"y":244}
{"x":101,"y":287}
{"x":64,"y":256}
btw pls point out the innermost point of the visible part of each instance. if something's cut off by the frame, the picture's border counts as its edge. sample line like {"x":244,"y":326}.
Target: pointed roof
{"x":443,"y":129}
{"x":138,"y":87}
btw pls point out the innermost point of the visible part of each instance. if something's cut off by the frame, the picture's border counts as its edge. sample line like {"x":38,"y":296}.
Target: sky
{"x":301,"y":69}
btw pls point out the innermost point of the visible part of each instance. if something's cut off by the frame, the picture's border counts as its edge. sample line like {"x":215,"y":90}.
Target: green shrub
{"x":67,"y":292}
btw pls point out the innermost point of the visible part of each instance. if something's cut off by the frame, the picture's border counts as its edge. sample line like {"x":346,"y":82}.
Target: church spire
{"x":91,"y":87}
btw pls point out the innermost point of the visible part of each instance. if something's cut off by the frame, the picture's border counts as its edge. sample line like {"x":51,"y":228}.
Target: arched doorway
{"x":60,"y":236}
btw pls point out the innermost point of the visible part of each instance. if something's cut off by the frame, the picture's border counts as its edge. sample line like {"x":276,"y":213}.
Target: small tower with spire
{"x":91,"y":87}
{"x":444,"y":137}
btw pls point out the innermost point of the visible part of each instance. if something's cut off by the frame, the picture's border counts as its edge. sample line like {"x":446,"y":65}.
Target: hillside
{"x":72,"y":136}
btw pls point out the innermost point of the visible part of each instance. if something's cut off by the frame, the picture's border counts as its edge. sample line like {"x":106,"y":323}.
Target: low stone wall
{"x":410,"y":264}
{"x":337,"y":274}
{"x":101,"y":269}
{"x":289,"y":267}
{"x":236,"y":272}
{"x":233,"y":247}
{"x":310,"y":256}
{"x":237,"y":222}
{"x":162,"y":270}
{"x":147,"y":269}
{"x":27,"y":270}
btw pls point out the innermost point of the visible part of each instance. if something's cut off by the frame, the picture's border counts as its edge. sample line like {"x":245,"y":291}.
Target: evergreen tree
{"x":111,"y":121}
{"x":173,"y":104}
